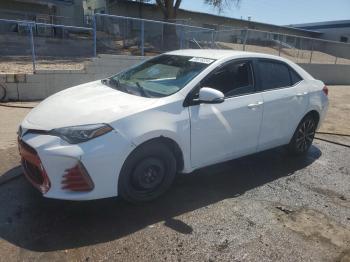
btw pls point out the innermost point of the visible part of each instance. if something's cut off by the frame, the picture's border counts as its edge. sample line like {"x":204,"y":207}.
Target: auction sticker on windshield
{"x":201,"y":60}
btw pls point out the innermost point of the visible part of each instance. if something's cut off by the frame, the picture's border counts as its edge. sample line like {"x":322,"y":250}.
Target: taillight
{"x":325,"y":90}
{"x":77,"y":179}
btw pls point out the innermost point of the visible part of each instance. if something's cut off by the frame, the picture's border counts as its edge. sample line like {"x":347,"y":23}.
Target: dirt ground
{"x":265,"y":207}
{"x":338,"y":115}
{"x":22,"y":65}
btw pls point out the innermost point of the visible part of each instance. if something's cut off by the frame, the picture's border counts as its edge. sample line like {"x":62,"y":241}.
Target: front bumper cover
{"x":101,"y":157}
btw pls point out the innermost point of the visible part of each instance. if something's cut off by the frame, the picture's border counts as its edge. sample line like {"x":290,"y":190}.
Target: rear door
{"x":285,"y":98}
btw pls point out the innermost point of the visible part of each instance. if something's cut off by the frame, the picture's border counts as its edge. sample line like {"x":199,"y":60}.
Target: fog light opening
{"x":77,"y":179}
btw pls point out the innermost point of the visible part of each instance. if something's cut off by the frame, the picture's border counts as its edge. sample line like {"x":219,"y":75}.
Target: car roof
{"x":218,"y":54}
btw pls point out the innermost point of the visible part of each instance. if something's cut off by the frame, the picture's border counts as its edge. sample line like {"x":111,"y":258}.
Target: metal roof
{"x":323,"y":25}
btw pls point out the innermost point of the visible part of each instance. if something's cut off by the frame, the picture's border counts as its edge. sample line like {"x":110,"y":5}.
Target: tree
{"x":169,"y":7}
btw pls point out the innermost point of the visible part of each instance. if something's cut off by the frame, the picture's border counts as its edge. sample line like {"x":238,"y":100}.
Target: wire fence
{"x":30,"y":46}
{"x":36,"y":17}
{"x":133,"y":36}
{"x":296,"y":48}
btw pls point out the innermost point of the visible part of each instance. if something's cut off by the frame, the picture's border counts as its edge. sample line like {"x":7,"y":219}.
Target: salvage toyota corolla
{"x":130,"y":134}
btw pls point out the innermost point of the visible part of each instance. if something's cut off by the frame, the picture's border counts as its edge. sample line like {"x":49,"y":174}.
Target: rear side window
{"x":274,"y":75}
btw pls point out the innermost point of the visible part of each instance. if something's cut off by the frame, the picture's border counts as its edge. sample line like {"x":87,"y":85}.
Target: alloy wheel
{"x":305,"y":135}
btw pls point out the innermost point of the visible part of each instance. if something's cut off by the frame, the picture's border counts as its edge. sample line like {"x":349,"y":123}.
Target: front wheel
{"x":303,"y":136}
{"x":147,"y":173}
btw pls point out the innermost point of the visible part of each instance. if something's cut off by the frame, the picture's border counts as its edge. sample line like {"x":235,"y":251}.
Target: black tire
{"x":2,"y":92}
{"x":147,"y":173}
{"x":303,"y":136}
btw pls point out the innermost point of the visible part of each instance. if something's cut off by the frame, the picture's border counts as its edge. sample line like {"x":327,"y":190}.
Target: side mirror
{"x":210,"y":96}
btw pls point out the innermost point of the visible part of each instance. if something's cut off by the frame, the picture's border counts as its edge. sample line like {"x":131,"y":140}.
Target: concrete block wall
{"x":330,"y":74}
{"x":47,"y":82}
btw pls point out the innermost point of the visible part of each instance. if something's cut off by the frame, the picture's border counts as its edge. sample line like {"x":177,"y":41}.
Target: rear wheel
{"x":147,"y":173}
{"x":303,"y":136}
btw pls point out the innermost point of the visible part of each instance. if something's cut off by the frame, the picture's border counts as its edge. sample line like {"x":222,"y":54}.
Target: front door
{"x":230,"y":129}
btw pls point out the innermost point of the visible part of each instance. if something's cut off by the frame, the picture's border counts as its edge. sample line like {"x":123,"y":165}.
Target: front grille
{"x":33,"y":168}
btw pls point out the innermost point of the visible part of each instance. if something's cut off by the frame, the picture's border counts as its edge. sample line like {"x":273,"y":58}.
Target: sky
{"x":280,"y":12}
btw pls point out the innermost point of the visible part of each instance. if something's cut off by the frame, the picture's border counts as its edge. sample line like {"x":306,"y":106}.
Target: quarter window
{"x":295,"y":77}
{"x":273,"y":75}
{"x":232,"y":79}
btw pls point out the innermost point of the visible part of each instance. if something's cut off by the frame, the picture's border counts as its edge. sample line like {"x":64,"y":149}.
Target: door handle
{"x":301,"y":94}
{"x":254,"y":105}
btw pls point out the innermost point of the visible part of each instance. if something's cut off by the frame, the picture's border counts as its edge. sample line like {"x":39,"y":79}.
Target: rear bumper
{"x":55,"y":162}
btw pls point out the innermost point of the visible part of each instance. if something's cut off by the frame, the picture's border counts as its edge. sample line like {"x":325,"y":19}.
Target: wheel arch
{"x":170,"y":143}
{"x":315,"y":114}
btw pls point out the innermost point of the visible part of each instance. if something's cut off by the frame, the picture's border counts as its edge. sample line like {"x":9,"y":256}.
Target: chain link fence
{"x":296,"y":48}
{"x":65,"y":47}
{"x":15,"y":47}
{"x":27,"y":46}
{"x":132,"y":36}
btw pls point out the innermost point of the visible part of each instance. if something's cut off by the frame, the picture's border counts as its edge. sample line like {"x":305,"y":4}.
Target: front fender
{"x":169,"y":121}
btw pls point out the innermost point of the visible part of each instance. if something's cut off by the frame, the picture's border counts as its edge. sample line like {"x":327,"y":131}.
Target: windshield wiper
{"x":111,"y":81}
{"x":142,"y":90}
{"x":114,"y":83}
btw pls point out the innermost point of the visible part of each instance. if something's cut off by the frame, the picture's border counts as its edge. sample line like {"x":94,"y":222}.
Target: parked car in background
{"x":130,"y":134}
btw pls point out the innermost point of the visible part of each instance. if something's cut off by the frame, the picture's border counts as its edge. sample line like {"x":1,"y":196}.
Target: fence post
{"x":245,"y":39}
{"x":162,"y":37}
{"x":279,"y":44}
{"x":312,"y":50}
{"x":94,"y":34}
{"x":181,"y":36}
{"x":142,"y":38}
{"x":30,"y":25}
{"x":212,"y":39}
{"x":295,"y":47}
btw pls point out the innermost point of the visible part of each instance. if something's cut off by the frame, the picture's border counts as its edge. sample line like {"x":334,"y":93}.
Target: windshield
{"x":158,"y":77}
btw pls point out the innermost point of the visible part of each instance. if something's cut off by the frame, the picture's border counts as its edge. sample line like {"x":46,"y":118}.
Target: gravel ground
{"x":265,"y":207}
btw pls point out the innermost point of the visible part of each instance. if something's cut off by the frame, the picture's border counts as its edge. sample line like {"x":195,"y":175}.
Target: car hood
{"x":88,"y":103}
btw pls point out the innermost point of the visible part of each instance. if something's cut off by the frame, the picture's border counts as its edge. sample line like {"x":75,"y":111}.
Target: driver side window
{"x":233,"y":79}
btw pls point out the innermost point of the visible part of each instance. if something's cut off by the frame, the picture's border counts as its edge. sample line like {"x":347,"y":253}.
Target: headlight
{"x":79,"y":134}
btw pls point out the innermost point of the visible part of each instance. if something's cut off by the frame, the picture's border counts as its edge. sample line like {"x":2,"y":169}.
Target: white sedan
{"x":130,"y":134}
